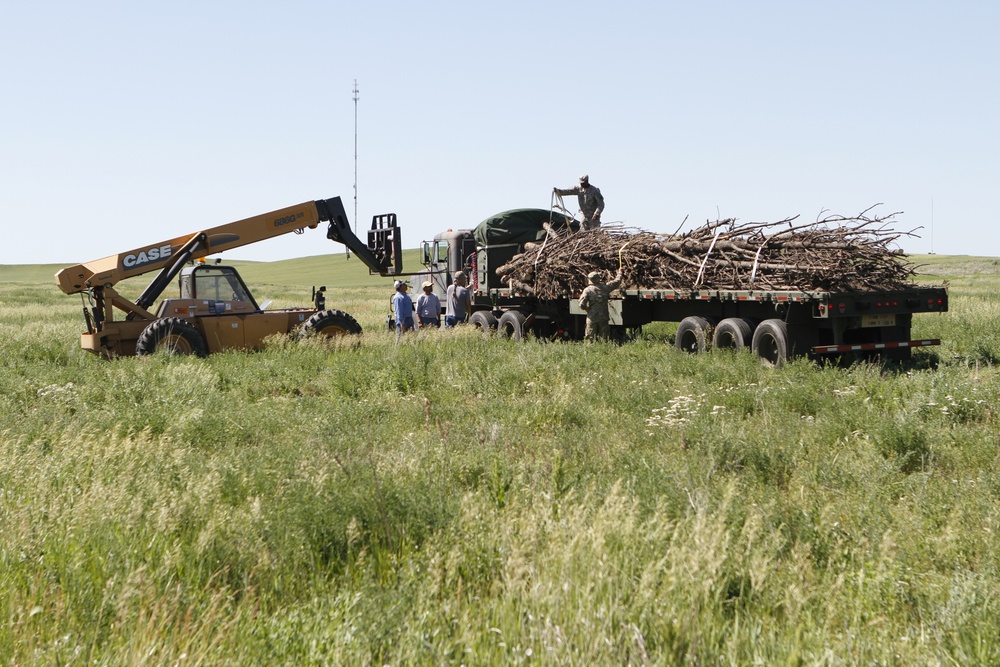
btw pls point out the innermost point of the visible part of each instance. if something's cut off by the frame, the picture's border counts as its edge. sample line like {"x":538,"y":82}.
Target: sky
{"x":127,"y":123}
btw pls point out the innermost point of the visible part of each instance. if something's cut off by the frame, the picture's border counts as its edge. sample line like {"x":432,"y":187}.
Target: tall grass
{"x":452,"y":499}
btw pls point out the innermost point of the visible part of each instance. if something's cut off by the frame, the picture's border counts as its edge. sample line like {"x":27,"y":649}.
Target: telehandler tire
{"x":331,"y":323}
{"x":172,"y":335}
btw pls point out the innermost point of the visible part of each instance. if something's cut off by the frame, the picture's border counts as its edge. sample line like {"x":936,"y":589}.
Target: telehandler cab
{"x":215,"y":310}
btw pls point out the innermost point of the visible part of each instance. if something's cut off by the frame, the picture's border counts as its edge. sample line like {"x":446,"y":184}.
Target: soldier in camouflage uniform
{"x":594,"y":302}
{"x":591,"y":201}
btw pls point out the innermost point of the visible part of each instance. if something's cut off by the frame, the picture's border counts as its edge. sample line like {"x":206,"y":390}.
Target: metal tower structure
{"x":355,"y":156}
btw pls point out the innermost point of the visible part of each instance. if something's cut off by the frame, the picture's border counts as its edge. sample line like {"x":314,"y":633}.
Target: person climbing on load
{"x":590,"y":199}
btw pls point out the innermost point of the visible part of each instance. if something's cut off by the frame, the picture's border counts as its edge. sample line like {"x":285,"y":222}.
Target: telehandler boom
{"x":215,"y":310}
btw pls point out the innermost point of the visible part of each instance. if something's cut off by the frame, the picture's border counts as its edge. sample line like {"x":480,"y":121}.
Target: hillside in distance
{"x":336,"y":270}
{"x":331,"y":270}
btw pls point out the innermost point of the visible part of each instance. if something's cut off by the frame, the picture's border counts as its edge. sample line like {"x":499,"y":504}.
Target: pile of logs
{"x":836,"y":253}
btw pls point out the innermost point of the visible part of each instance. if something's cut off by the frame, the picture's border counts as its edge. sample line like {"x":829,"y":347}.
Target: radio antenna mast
{"x":355,"y":157}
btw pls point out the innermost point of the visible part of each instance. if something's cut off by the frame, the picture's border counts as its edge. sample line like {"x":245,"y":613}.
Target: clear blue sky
{"x":125,"y":123}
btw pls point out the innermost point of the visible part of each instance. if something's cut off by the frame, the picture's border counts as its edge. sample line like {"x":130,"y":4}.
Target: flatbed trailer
{"x":777,"y":325}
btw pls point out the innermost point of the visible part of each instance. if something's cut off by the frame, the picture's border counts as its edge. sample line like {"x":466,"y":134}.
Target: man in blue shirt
{"x":402,"y":308}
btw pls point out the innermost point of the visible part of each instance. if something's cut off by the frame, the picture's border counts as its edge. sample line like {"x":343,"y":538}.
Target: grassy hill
{"x":29,"y":273}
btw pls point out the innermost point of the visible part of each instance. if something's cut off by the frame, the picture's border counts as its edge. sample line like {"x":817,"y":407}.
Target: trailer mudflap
{"x":868,"y":347}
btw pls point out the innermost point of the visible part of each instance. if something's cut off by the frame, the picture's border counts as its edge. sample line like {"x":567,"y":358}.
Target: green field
{"x":453,"y":499}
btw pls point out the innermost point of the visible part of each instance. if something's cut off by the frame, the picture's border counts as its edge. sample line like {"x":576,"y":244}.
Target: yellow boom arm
{"x":110,"y":270}
{"x":382,"y":254}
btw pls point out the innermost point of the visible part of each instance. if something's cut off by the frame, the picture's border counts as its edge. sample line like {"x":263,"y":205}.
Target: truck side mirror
{"x":426,"y":247}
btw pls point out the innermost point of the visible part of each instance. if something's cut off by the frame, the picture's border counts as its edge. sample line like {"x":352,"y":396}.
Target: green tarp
{"x":519,"y":225}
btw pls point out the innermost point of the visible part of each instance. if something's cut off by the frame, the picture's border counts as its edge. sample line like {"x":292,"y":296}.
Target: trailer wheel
{"x":732,"y":333}
{"x":331,"y":323}
{"x":770,"y":342}
{"x":172,"y":335}
{"x":693,"y":334}
{"x":483,"y":320}
{"x":511,"y":324}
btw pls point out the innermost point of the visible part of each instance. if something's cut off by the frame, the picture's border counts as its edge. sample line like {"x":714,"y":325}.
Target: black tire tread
{"x":697,"y":327}
{"x":736,"y":329}
{"x":511,"y":324}
{"x":768,"y":334}
{"x":151,"y":336}
{"x":483,"y":319}
{"x":327,"y":318}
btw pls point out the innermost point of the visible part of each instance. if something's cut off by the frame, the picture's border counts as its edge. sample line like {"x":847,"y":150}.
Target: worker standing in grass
{"x":458,"y":301}
{"x":428,"y":307}
{"x":591,"y":201}
{"x":594,"y":302}
{"x":402,"y":308}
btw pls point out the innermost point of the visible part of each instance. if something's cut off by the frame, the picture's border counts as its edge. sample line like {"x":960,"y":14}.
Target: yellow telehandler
{"x":215,"y":310}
